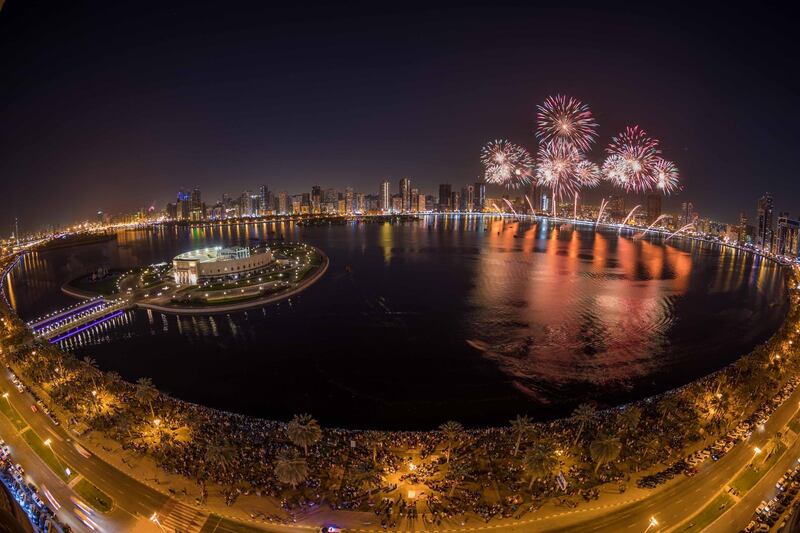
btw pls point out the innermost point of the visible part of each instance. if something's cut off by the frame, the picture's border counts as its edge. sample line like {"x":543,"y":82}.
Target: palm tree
{"x":582,"y":415}
{"x":290,"y":469}
{"x":220,"y":453}
{"x":303,"y":431}
{"x":539,"y":463}
{"x":456,"y":472}
{"x":667,"y":406}
{"x":603,"y":450}
{"x":146,"y":393}
{"x":520,"y":428}
{"x":94,"y":369}
{"x":452,"y":432}
{"x":630,"y":418}
{"x":368,"y":476}
{"x":112,"y":380}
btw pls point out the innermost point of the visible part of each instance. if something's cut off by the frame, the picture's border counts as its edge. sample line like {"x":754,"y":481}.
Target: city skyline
{"x":146,"y":134}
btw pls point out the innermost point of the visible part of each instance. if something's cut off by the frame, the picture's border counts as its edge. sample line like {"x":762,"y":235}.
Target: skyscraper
{"x":742,"y":230}
{"x":764,"y":230}
{"x":386,"y":197}
{"x":788,"y":232}
{"x":264,"y":206}
{"x":405,"y":193}
{"x":283,"y":203}
{"x":445,"y":197}
{"x":653,"y":207}
{"x":316,"y":198}
{"x":414,"y":206}
{"x":349,"y":199}
{"x":467,"y":198}
{"x":479,"y":197}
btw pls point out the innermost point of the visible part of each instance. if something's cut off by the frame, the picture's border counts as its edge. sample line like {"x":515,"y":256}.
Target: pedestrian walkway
{"x":181,"y":518}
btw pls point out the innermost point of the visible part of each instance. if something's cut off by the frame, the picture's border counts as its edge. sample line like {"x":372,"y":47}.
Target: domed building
{"x":219,"y":264}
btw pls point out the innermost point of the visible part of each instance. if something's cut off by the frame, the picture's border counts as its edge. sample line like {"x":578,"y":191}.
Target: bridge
{"x":67,"y":322}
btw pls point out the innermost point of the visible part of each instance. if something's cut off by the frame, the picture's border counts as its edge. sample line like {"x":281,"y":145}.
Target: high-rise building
{"x":264,"y":206}
{"x":349,"y":201}
{"x":653,"y":207}
{"x":455,"y":200}
{"x":445,"y":197}
{"x":479,"y":197}
{"x":467,"y":198}
{"x":687,"y":213}
{"x":405,"y":193}
{"x":397,"y":203}
{"x":361,"y":203}
{"x":386,"y":197}
{"x":764,"y":231}
{"x":316,"y":198}
{"x":283,"y":206}
{"x":741,"y":236}
{"x":616,"y":207}
{"x":788,"y":233}
{"x":414,"y":206}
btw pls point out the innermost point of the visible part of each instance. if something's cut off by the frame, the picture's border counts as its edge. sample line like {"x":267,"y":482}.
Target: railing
{"x":82,"y":318}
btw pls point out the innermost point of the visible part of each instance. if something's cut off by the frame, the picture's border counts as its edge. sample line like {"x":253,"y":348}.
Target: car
{"x":329,"y":529}
{"x":33,"y":408}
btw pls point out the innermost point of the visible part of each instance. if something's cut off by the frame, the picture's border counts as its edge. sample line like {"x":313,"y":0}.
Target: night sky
{"x":114,"y":106}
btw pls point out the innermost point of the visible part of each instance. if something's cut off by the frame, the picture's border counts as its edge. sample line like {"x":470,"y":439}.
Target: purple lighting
{"x":85,"y":327}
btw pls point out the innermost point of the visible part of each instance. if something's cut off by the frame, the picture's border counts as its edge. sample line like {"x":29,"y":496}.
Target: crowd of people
{"x":449,"y":474}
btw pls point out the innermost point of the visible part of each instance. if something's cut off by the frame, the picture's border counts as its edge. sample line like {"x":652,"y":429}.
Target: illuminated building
{"x":405,"y":193}
{"x":218,"y":264}
{"x":764,"y":231}
{"x":386,"y":197}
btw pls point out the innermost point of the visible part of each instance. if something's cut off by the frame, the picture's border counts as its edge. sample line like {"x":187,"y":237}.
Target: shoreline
{"x":605,"y":411}
{"x":307,"y":282}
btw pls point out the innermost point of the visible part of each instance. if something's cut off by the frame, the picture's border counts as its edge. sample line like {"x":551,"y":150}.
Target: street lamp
{"x":653,"y":523}
{"x":154,"y":519}
{"x":48,"y":442}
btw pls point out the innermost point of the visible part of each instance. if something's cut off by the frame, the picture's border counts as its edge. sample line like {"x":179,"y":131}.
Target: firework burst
{"x":632,"y":158}
{"x":666,"y":176}
{"x":556,"y":168}
{"x":587,"y":173}
{"x":563,"y":119}
{"x":507,"y":164}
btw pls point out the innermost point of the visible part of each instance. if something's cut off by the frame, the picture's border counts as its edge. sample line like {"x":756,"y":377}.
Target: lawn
{"x":12,"y":414}
{"x":708,"y":514}
{"x":95,"y":497}
{"x":46,"y":454}
{"x":747,"y":479}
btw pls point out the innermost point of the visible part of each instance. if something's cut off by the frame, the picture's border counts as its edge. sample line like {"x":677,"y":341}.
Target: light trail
{"x":687,"y":226}
{"x":511,"y":207}
{"x":660,"y":217}
{"x":627,"y":218}
{"x":533,"y":211}
{"x":600,"y":214}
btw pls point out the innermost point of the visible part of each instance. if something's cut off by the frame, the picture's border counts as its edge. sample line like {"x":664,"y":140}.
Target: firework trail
{"x":507,"y":164}
{"x":656,"y":221}
{"x":628,"y":217}
{"x":603,"y":205}
{"x":533,"y":211}
{"x":565,"y":120}
{"x":671,"y":235}
{"x":510,"y":206}
{"x":632,"y":156}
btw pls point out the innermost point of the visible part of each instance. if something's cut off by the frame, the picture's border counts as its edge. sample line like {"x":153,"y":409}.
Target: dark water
{"x":555,"y":317}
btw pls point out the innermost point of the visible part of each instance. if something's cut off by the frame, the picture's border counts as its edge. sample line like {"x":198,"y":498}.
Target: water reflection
{"x":554,"y":314}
